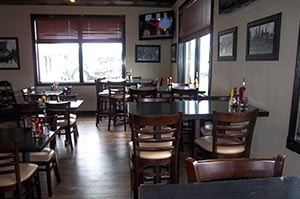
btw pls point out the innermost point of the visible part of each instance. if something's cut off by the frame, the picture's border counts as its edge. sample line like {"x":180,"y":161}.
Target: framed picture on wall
{"x":173,"y":53}
{"x":227,"y":42}
{"x":147,"y":53}
{"x":9,"y":53}
{"x":263,"y":37}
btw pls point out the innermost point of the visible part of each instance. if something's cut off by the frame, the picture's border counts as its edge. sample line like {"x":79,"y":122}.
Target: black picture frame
{"x":9,"y":53}
{"x":227,"y":44}
{"x":147,"y":53}
{"x":293,"y":138}
{"x":263,"y":38}
{"x":173,"y":53}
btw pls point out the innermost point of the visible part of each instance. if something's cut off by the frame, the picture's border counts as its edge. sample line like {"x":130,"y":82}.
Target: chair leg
{"x":38,"y":185}
{"x":97,"y":111}
{"x":74,"y":134}
{"x":69,"y":139}
{"x":56,"y":171}
{"x":48,"y":174}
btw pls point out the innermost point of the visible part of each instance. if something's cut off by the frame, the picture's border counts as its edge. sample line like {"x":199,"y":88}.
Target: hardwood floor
{"x":98,"y":167}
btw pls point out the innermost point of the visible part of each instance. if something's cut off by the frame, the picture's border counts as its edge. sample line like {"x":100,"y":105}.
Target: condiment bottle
{"x":196,"y":84}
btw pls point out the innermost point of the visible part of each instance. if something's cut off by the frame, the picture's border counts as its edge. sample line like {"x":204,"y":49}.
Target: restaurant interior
{"x":205,"y":40}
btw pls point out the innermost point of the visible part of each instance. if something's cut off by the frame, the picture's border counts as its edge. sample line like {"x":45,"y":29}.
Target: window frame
{"x":79,"y":42}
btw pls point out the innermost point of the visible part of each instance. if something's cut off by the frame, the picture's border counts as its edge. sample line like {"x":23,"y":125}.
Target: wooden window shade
{"x":56,"y":28}
{"x":194,"y":19}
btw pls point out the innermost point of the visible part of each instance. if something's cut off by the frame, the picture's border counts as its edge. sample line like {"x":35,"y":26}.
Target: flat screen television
{"x":158,"y":25}
{"x":227,"y":6}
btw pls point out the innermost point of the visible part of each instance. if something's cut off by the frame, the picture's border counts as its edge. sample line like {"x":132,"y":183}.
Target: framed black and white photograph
{"x":227,"y":42}
{"x":263,"y":38}
{"x":147,"y":53}
{"x":9,"y":53}
{"x":173,"y":53}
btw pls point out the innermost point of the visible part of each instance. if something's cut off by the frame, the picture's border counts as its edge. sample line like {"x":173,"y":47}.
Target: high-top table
{"x":266,"y":188}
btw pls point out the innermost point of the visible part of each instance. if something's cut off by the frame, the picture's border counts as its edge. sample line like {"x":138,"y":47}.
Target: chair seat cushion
{"x":26,"y":171}
{"x":149,"y":154}
{"x":63,"y":122}
{"x":118,"y":97}
{"x":44,"y":156}
{"x":206,"y":129}
{"x":206,"y":143}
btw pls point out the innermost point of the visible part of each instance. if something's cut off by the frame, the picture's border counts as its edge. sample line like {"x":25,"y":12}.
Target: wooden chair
{"x":64,"y":121}
{"x":69,"y":97}
{"x":117,"y":103}
{"x":138,"y":94}
{"x":102,"y":96}
{"x":46,"y":159}
{"x":233,"y":168}
{"x":24,"y":113}
{"x":7,"y":101}
{"x":26,"y":94}
{"x":15,"y":175}
{"x":154,"y":151}
{"x":183,"y":93}
{"x":231,"y":137}
{"x":206,"y":125}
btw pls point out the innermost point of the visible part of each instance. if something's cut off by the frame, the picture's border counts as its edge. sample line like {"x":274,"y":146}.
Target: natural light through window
{"x":204,"y":63}
{"x":101,"y":60}
{"x":58,"y":62}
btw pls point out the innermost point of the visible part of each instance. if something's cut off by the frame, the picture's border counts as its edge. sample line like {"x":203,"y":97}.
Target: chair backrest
{"x":9,"y":164}
{"x":100,"y":86}
{"x":181,"y":93}
{"x":26,"y":94}
{"x":138,"y":94}
{"x":117,"y":90}
{"x":61,"y":109}
{"x":233,"y":168}
{"x":7,"y":96}
{"x":67,"y":90}
{"x":24,"y":113}
{"x":233,"y":130}
{"x":156,"y":134}
{"x":71,"y":97}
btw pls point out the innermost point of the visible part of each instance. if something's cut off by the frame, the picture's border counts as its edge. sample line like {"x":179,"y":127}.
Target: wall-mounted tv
{"x":227,"y":6}
{"x":158,"y":25}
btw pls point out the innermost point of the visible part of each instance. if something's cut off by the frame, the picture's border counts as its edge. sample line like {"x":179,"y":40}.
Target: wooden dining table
{"x":27,"y":141}
{"x":266,"y":188}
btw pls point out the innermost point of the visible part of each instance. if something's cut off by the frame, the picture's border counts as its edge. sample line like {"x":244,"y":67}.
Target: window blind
{"x":56,"y":28}
{"x":194,"y":19}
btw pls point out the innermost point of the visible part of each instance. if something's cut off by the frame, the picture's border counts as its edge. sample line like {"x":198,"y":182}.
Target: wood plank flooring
{"x":98,"y":167}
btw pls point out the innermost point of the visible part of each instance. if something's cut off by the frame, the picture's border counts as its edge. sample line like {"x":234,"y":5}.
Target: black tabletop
{"x":267,"y":188}
{"x":46,"y":92}
{"x":27,"y":142}
{"x":128,"y":82}
{"x":191,"y":109}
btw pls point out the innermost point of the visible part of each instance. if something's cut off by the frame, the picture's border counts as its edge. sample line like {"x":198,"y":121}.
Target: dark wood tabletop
{"x":128,"y":82}
{"x":266,"y":188}
{"x":26,"y":140}
{"x":191,"y":109}
{"x":46,"y":92}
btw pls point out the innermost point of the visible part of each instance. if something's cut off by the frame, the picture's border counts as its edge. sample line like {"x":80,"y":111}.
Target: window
{"x":194,"y":46}
{"x":293,"y":139}
{"x":78,"y":49}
